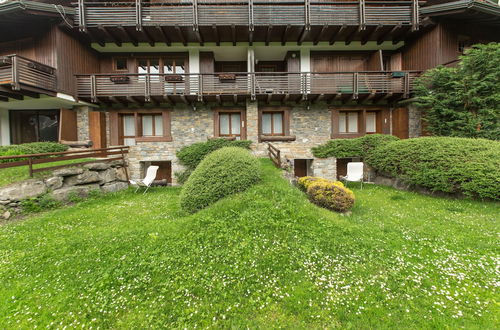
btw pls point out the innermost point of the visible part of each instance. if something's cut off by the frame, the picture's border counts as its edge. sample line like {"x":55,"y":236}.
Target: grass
{"x":20,"y":173}
{"x":264,"y":258}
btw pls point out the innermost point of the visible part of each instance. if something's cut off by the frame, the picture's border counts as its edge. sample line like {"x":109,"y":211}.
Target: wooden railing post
{"x":125,"y":165}
{"x":406,"y":85}
{"x":81,"y":16}
{"x":138,"y":15}
{"x":355,"y":85}
{"x":362,"y":15}
{"x":15,"y":73}
{"x":250,"y":15}
{"x":30,"y":166}
{"x":200,"y":87}
{"x":415,"y":19}
{"x":252,"y":86}
{"x":147,"y":87}
{"x":307,"y":14}
{"x":195,"y":15}
{"x":93,"y":89}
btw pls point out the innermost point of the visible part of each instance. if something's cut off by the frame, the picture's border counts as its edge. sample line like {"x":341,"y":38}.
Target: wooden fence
{"x":274,"y":154}
{"x":51,"y":157}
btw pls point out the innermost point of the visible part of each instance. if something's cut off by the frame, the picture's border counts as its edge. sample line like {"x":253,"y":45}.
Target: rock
{"x":116,"y":163}
{"x":4,"y":202}
{"x":68,"y":171}
{"x":107,"y":175}
{"x":97,"y":166}
{"x":6,"y":215}
{"x":121,"y":174}
{"x":24,"y":189}
{"x":84,"y":178}
{"x":81,"y":191}
{"x":54,"y":182}
{"x":114,"y":187}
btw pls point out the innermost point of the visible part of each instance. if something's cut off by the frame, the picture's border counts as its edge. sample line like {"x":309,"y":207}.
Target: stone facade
{"x":414,"y":121}
{"x":311,"y":126}
{"x":82,"y":123}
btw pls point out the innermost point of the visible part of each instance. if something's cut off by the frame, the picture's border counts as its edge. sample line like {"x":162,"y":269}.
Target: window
{"x":33,"y":125}
{"x":121,"y":64}
{"x":371,"y":122}
{"x":130,"y":127}
{"x":273,"y":123}
{"x":152,"y":125}
{"x":348,"y":121}
{"x":229,"y":123}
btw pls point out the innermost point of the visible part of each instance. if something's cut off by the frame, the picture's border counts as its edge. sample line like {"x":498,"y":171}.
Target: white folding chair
{"x":354,"y":173}
{"x":148,"y":179}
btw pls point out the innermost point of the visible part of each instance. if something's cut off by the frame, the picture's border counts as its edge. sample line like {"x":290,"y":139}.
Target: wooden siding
{"x":435,"y":47}
{"x":72,"y":57}
{"x":67,"y":125}
{"x":97,"y":128}
{"x":400,"y":123}
{"x":338,"y":61}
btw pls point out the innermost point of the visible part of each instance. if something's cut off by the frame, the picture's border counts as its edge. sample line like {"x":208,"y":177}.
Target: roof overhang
{"x":466,"y":11}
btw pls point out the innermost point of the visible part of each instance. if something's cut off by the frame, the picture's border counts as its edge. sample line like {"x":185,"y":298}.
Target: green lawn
{"x":20,"y":173}
{"x":263,"y":258}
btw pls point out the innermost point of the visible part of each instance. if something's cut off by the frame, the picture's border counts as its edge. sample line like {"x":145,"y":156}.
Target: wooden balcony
{"x":283,"y":87}
{"x":247,"y":20}
{"x":21,"y":77}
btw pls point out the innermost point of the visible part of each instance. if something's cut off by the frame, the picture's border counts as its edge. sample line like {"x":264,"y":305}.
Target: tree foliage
{"x":463,"y":101}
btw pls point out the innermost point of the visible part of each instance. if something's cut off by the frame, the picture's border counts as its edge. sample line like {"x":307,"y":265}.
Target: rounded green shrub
{"x":190,"y":156}
{"x":222,"y":173}
{"x":446,"y":164}
{"x":331,"y":195}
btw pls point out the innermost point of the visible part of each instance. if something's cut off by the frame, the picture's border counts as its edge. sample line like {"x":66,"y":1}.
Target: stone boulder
{"x":65,"y":193}
{"x":84,"y":178}
{"x":97,"y":166}
{"x":121,"y":174}
{"x":54,"y":182}
{"x":22,"y":190}
{"x":114,"y":187}
{"x":68,"y":171}
{"x":107,"y":175}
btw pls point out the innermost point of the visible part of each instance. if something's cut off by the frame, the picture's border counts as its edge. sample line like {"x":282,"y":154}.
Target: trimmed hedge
{"x":447,"y":164}
{"x":332,"y":195}
{"x":222,"y":173}
{"x":358,"y":147}
{"x":190,"y":156}
{"x":30,"y":148}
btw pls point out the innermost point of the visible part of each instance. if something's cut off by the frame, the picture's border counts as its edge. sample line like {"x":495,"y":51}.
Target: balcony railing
{"x":249,"y":13}
{"x":20,"y":72}
{"x":147,"y":86}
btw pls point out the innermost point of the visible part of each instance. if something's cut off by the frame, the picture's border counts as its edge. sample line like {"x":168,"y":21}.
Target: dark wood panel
{"x":97,"y":128}
{"x":400,"y":123}
{"x":300,"y":167}
{"x":67,"y":125}
{"x":338,"y":61}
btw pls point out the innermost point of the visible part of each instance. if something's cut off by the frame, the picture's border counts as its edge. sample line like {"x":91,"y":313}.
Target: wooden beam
{"x":235,"y":98}
{"x":150,"y":39}
{"x":397,"y":37}
{"x":388,"y":33}
{"x":129,"y":35}
{"x":268,"y":98}
{"x":351,"y":36}
{"x":4,"y":99}
{"x":181,"y":35}
{"x":284,"y":36}
{"x":285,"y":98}
{"x":303,"y":35}
{"x":12,"y":95}
{"x":215,"y":30}
{"x":118,"y":101}
{"x":110,"y":35}
{"x":318,"y":98}
{"x":340,"y":29}
{"x":268,"y":34}
{"x":320,"y":34}
{"x":371,"y":34}
{"x":217,"y":97}
{"x":200,"y":38}
{"x":183,"y":99}
{"x":166,"y":38}
{"x":96,"y":38}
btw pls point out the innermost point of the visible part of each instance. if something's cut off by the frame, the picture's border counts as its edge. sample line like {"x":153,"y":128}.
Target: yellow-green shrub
{"x":305,"y":181}
{"x":331,"y":195}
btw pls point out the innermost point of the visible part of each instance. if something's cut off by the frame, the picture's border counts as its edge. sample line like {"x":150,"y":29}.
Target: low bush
{"x":30,"y":148}
{"x":190,"y":156}
{"x":224,"y":172}
{"x":447,"y":164}
{"x":358,"y":147}
{"x":304,"y":182}
{"x":331,"y":195}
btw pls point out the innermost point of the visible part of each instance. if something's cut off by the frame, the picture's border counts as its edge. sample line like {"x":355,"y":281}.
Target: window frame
{"x":273,"y":113}
{"x":216,"y":118}
{"x":116,"y":125}
{"x":286,"y":136}
{"x":382,"y":121}
{"x":115,"y":64}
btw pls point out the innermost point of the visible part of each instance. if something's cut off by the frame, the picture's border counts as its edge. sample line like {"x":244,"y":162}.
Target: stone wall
{"x":414,"y":121}
{"x":82,"y":123}
{"x":63,"y":184}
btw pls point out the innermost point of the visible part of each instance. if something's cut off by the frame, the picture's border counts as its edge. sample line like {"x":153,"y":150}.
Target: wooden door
{"x":400,"y":123}
{"x":67,"y":125}
{"x":342,"y":166}
{"x":97,"y":128}
{"x":300,"y":167}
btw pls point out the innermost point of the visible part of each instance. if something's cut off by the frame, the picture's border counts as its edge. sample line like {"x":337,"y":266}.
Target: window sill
{"x":282,"y":138}
{"x":154,"y":139}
